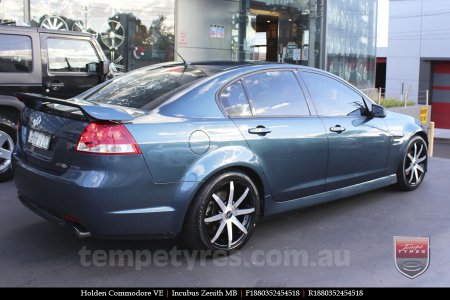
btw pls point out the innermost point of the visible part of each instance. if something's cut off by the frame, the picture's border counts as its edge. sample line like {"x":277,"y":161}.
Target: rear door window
{"x":15,"y":54}
{"x":276,"y":93}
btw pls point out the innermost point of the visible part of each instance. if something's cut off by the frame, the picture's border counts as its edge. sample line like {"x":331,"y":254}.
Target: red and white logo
{"x":412,"y":255}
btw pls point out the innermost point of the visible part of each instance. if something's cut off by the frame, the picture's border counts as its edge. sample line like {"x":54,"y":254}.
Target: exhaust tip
{"x":80,"y":231}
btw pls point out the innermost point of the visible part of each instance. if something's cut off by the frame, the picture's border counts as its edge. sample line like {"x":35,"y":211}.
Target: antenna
{"x":173,"y":45}
{"x":184,"y":61}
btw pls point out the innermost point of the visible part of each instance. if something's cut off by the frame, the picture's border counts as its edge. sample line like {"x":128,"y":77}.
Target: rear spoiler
{"x":90,"y":110}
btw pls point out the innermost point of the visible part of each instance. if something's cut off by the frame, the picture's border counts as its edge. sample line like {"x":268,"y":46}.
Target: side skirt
{"x":272,"y":207}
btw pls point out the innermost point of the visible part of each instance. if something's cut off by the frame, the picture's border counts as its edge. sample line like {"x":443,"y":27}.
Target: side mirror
{"x":106,"y":67}
{"x":92,"y":67}
{"x":378,"y":111}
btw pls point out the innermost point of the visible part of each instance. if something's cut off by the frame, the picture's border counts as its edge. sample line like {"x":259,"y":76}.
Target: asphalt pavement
{"x":346,"y":243}
{"x":442,"y":148}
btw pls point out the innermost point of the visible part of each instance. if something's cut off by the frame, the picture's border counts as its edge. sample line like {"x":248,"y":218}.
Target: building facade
{"x":417,"y":57}
{"x":336,"y":35}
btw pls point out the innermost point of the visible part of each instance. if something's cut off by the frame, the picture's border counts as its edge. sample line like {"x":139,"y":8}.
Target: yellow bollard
{"x":430,"y":139}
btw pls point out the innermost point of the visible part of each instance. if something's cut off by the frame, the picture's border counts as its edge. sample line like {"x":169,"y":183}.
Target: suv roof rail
{"x":7,"y":22}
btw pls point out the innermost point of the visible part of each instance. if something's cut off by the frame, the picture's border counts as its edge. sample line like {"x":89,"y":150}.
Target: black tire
{"x":413,"y":166}
{"x":198,"y":233}
{"x":7,"y":142}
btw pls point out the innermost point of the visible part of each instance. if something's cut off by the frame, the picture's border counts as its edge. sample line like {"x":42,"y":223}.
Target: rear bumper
{"x":116,"y":200}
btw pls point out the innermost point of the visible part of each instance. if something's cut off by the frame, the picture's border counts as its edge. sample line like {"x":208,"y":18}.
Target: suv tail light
{"x":107,"y":138}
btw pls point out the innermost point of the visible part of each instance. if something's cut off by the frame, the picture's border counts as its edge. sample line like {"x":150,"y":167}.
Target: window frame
{"x":339,"y":80}
{"x":70,"y":39}
{"x":32,"y":53}
{"x":241,"y":78}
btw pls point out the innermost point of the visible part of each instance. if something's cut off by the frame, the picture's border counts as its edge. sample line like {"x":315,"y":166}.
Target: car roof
{"x":18,"y":29}
{"x":226,"y":64}
{"x":219,"y":66}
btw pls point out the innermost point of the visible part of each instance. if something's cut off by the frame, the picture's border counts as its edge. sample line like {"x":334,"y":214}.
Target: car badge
{"x":36,"y":120}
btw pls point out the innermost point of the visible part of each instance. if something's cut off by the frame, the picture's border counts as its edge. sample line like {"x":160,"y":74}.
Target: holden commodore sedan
{"x":206,"y":149}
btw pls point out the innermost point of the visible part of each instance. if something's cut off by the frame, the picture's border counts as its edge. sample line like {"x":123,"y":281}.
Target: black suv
{"x":54,"y":63}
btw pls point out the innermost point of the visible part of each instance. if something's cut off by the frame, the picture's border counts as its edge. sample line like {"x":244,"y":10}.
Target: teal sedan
{"x":207,"y":149}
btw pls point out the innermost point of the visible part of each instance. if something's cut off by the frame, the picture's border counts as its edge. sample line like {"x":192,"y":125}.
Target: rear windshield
{"x":139,"y":88}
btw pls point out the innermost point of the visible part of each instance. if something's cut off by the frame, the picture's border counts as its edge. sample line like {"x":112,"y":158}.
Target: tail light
{"x":107,"y":138}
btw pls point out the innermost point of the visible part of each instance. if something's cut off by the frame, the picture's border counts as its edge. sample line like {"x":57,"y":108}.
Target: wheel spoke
{"x":231,"y":194}
{"x":3,"y":138}
{"x":409,"y":168}
{"x":219,"y":202}
{"x":416,"y":174}
{"x":411,"y":176}
{"x":420,"y":151}
{"x":410,"y":157}
{"x":239,"y":225}
{"x":419,"y":167}
{"x":219,"y":231}
{"x":247,"y":211}
{"x":214,"y":218}
{"x":415,"y":150}
{"x":58,"y":26}
{"x":421,"y":159}
{"x":244,"y":195}
{"x":5,"y":154}
{"x":230,"y":233}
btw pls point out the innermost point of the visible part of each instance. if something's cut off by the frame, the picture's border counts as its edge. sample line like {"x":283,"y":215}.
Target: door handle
{"x":337,"y":128}
{"x":259,"y":130}
{"x":55,"y":85}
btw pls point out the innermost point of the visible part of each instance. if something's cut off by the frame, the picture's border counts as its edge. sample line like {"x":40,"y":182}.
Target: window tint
{"x":235,"y":101}
{"x":276,"y":93}
{"x":15,"y":53}
{"x":65,"y":55}
{"x":139,"y":88}
{"x":332,"y":98}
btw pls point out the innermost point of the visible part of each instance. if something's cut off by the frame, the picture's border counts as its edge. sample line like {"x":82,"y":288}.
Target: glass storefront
{"x":351,"y":40}
{"x":289,"y":31}
{"x":131,"y":33}
{"x":12,"y":11}
{"x":336,"y":35}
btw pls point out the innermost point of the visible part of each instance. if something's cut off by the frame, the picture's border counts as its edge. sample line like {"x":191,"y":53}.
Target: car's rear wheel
{"x":7,"y":142}
{"x":413,"y":166}
{"x":224,"y":214}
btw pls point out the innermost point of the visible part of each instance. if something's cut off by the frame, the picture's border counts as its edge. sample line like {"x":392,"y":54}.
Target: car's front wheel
{"x":413,"y":166}
{"x":224,"y":213}
{"x":7,"y":142}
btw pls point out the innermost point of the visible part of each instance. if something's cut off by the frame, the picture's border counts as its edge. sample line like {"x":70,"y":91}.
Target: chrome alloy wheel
{"x":415,"y":163}
{"x":227,"y":221}
{"x":6,"y":149}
